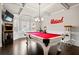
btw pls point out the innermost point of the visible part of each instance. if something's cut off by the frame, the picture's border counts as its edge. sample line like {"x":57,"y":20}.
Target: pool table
{"x":46,"y":40}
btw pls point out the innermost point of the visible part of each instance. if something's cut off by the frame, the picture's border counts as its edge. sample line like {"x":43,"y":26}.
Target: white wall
{"x":52,"y":28}
{"x":71,"y":17}
{"x":0,"y":27}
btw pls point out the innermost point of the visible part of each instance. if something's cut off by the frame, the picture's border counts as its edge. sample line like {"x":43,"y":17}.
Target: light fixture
{"x":39,"y":18}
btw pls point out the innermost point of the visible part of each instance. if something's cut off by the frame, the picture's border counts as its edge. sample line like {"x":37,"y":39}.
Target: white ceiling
{"x":32,"y":9}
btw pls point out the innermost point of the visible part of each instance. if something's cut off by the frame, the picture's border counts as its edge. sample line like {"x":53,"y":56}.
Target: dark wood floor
{"x":19,"y":47}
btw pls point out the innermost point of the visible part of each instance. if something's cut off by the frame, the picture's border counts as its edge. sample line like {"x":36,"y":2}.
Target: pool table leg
{"x":59,"y":48}
{"x":28,"y":44}
{"x":46,"y":50}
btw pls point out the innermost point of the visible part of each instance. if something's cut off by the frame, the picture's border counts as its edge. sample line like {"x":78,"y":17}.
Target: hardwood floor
{"x":66,"y":50}
{"x":19,"y":47}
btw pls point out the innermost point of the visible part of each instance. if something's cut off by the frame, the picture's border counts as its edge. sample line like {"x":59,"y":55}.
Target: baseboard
{"x":75,"y":43}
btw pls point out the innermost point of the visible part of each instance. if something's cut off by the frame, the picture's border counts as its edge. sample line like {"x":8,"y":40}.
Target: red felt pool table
{"x":46,"y":40}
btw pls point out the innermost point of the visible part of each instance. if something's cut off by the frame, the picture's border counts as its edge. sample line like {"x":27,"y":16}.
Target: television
{"x":7,"y":16}
{"x":9,"y":19}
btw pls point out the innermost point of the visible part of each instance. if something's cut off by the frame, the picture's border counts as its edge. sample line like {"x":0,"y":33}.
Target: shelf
{"x":68,"y":26}
{"x":7,"y":31}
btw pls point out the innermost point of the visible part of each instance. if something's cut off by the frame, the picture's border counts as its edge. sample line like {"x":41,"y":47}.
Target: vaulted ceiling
{"x":32,"y":9}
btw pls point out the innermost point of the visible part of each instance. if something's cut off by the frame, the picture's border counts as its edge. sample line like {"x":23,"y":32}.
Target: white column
{"x":0,"y":26}
{"x":15,"y":26}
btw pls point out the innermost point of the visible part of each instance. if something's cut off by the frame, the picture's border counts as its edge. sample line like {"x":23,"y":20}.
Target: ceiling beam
{"x":65,"y":5}
{"x":21,"y":8}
